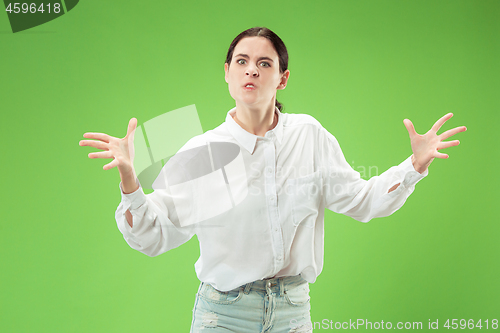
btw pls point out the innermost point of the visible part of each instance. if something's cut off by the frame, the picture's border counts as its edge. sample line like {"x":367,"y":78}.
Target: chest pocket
{"x":305,"y":195}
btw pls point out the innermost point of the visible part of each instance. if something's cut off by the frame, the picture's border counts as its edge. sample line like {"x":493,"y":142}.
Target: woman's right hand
{"x":120,"y":150}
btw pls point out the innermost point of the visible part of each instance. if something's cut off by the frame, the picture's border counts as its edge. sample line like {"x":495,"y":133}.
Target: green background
{"x":359,"y":67}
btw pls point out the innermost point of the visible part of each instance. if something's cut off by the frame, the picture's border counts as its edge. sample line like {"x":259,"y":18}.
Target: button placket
{"x":271,"y":194}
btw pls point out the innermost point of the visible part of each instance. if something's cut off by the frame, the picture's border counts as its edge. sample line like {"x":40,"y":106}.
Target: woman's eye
{"x":264,"y":64}
{"x":241,"y":61}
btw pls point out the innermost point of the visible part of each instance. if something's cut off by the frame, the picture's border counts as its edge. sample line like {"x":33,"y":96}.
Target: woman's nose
{"x":252,"y":71}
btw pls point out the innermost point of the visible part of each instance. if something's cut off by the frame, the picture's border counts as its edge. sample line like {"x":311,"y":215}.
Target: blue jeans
{"x":271,"y":305}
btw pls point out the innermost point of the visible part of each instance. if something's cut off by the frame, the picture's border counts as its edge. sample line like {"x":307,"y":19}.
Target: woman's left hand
{"x":425,"y":147}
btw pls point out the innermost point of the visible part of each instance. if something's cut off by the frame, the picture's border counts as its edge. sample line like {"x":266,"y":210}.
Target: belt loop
{"x":282,"y":287}
{"x":246,"y":290}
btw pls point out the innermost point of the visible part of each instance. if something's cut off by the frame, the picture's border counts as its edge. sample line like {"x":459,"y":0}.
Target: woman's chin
{"x":252,"y":103}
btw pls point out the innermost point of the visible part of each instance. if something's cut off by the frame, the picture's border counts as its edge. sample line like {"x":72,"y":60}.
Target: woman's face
{"x":253,"y":75}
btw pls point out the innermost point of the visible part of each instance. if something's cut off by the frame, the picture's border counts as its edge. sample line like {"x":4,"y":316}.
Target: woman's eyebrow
{"x":246,"y":56}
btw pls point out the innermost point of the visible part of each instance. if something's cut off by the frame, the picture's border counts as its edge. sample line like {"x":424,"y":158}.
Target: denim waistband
{"x":275,"y":285}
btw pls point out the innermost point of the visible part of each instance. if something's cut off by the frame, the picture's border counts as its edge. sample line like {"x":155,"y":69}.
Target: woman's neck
{"x":256,"y":121}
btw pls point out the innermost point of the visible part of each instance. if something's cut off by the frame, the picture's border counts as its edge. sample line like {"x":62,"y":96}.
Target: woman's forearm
{"x":129,"y":185}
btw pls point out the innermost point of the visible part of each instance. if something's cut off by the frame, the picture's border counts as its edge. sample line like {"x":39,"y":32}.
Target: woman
{"x":259,"y":254}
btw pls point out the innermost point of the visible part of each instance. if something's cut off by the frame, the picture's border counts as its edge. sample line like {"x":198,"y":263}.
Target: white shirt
{"x":264,"y":208}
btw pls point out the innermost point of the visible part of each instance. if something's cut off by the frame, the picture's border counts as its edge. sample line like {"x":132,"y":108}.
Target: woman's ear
{"x":284,"y":80}
{"x":226,"y":70}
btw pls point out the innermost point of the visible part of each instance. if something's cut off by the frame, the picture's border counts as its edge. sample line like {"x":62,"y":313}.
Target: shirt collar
{"x":249,"y":140}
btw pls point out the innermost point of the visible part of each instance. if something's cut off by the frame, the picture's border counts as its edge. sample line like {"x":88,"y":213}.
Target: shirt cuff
{"x":411,"y":176}
{"x":133,"y":200}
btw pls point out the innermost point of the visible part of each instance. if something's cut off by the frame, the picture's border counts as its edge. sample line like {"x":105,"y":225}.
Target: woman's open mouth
{"x":249,"y":86}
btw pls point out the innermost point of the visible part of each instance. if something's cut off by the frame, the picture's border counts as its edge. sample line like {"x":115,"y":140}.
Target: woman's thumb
{"x":409,"y":126}
{"x":132,"y":125}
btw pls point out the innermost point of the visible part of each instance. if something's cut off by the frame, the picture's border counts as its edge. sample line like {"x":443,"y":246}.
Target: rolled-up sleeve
{"x":347,"y":193}
{"x":153,"y":232}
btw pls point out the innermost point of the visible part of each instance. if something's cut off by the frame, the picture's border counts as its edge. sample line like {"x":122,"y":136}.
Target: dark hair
{"x":278,"y":44}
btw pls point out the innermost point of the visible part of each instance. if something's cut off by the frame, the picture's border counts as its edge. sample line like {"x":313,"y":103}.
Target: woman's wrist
{"x":129,"y":182}
{"x":419,"y":168}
